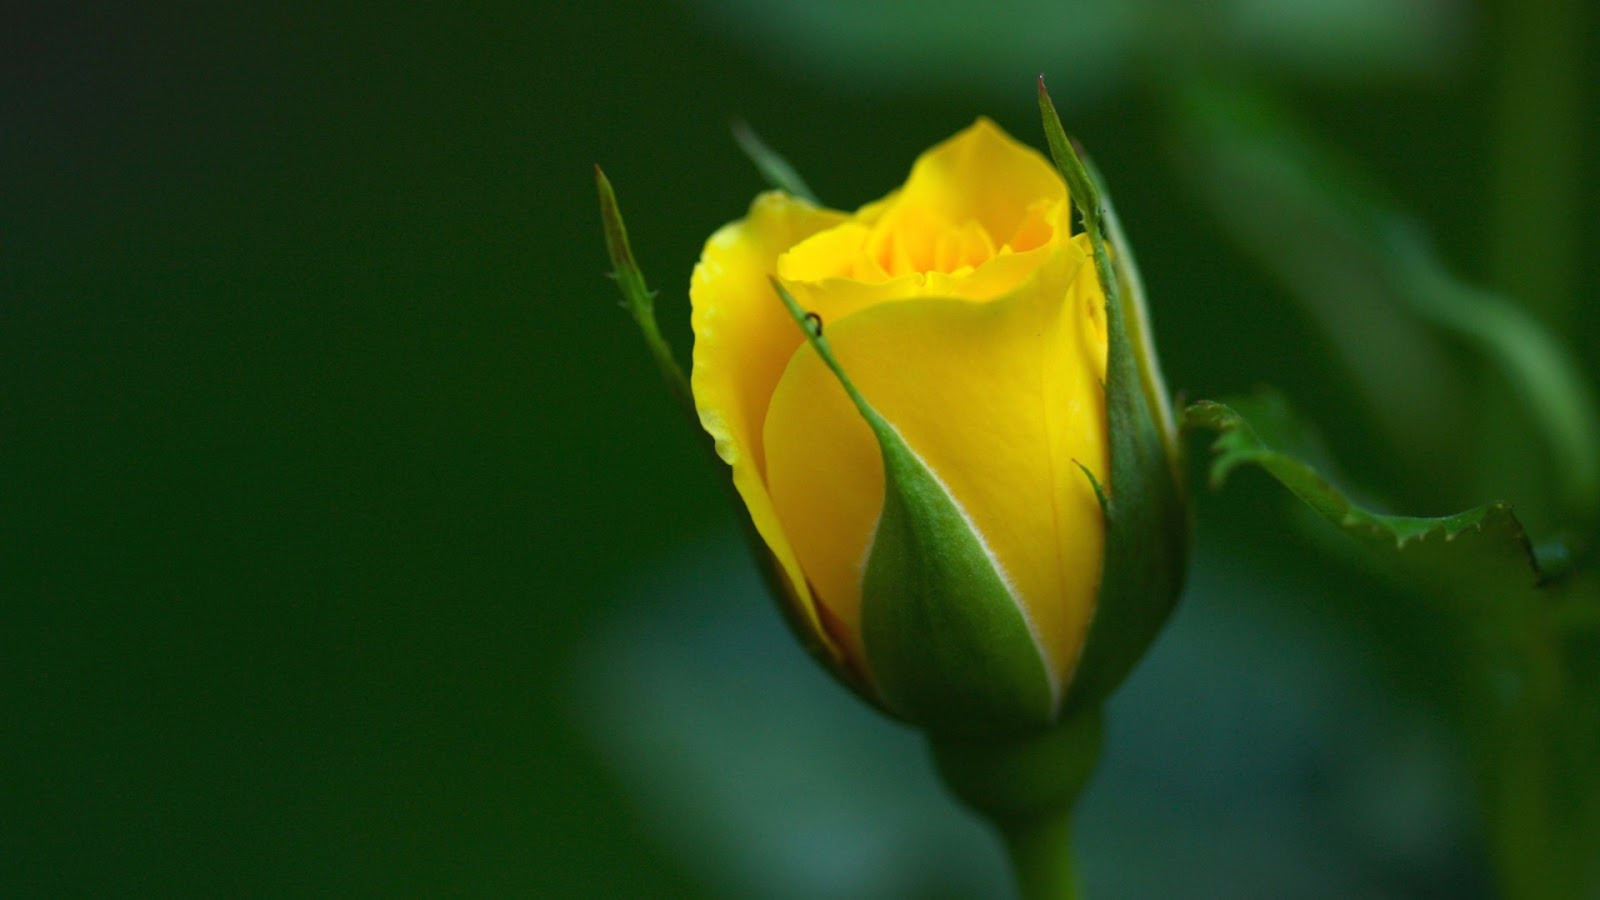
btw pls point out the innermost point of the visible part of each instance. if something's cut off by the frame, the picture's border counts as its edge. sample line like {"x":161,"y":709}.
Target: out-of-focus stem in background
{"x":1536,"y":182}
{"x":1538,"y":105}
{"x":1537,"y":57}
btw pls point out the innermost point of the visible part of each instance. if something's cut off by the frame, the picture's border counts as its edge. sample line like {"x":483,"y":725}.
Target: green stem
{"x":1537,"y":855}
{"x":1026,"y":786}
{"x":1540,"y":847}
{"x":1040,"y":850}
{"x":1539,"y":108}
{"x":1519,"y":805}
{"x":1534,"y":213}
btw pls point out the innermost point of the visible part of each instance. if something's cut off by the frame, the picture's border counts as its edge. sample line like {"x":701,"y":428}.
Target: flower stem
{"x":1534,"y":212}
{"x":1026,"y":787}
{"x":1040,"y":850}
{"x":1532,"y":782}
{"x":1538,"y":743}
{"x":1525,"y":852}
{"x":1539,"y":107}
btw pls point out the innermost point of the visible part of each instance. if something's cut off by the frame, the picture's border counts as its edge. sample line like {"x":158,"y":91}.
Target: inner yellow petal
{"x":965,"y":247}
{"x":970,"y":202}
{"x":839,"y":272}
{"x":981,"y":175}
{"x":1002,"y":400}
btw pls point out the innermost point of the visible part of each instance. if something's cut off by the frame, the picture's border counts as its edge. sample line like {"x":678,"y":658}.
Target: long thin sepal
{"x":639,"y":300}
{"x":1147,"y":523}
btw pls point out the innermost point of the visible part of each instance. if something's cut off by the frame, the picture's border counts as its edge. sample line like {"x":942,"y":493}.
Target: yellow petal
{"x":834,"y":298}
{"x":1002,"y":400}
{"x":978,"y":215}
{"x":980,"y":175}
{"x":743,"y":340}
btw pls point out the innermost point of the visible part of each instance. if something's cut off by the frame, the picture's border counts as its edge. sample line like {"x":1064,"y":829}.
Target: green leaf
{"x":1548,"y":380}
{"x":1308,"y":221}
{"x":639,"y":300}
{"x":1389,"y":305}
{"x":1480,"y":552}
{"x":1147,"y":521}
{"x":892,"y":48}
{"x":771,"y":164}
{"x":1099,"y":48}
{"x":948,"y":644}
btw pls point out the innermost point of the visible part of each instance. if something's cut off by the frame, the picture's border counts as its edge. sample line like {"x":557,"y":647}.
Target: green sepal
{"x":639,"y":300}
{"x":1145,"y":507}
{"x":946,"y":640}
{"x":1026,"y":776}
{"x":1482,"y":552}
{"x":1391,"y":304}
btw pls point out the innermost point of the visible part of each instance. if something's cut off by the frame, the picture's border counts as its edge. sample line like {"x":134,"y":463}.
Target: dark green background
{"x":324,"y":445}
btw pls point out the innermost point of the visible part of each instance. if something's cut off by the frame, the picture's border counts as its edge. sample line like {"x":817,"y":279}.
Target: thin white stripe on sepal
{"x":988,"y":552}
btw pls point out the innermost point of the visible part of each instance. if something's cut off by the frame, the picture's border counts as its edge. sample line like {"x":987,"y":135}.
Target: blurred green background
{"x":329,"y":465}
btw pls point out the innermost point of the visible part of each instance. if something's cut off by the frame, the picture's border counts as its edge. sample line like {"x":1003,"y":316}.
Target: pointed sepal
{"x":1146,"y":510}
{"x":637,"y":297}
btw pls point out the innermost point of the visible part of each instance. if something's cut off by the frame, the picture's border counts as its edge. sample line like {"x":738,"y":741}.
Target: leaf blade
{"x":1482,"y":551}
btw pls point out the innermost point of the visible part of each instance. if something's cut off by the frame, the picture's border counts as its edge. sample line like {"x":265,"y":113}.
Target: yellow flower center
{"x":915,"y":240}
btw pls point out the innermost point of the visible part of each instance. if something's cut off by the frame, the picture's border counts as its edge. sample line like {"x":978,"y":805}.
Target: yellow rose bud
{"x":971,"y":324}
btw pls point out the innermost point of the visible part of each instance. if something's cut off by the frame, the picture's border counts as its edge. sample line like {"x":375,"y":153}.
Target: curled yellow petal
{"x":743,"y":340}
{"x":980,"y":176}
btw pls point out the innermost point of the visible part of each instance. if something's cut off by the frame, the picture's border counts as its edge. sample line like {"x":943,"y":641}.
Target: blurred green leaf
{"x":1309,"y":221}
{"x":1481,"y":552}
{"x":874,"y":46}
{"x":1384,"y":298}
{"x":1340,"y":40}
{"x":1547,"y":379}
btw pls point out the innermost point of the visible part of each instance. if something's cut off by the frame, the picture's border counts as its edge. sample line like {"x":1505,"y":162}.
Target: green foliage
{"x":1545,"y":377}
{"x":875,"y":46}
{"x":1480,"y":552}
{"x":1390,"y":306}
{"x":1513,"y":416}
